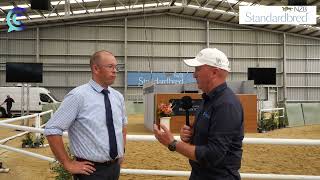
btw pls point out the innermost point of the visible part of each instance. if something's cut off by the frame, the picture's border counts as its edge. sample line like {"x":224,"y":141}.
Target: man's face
{"x":106,"y":69}
{"x":203,"y":75}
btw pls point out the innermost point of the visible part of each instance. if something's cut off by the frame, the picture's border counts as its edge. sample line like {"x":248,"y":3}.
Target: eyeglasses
{"x":110,"y":66}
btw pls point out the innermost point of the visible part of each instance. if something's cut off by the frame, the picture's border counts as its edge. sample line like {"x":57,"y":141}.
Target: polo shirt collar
{"x":214,"y":92}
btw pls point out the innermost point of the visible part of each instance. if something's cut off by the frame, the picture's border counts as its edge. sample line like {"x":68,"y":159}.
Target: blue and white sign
{"x":139,"y":78}
{"x":277,"y":14}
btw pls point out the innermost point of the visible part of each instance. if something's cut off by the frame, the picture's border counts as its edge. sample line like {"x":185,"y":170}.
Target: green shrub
{"x":270,"y":121}
{"x":31,"y":141}
{"x":58,"y":169}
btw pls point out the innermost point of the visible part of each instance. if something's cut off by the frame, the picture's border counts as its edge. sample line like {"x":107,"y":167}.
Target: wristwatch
{"x":172,"y":145}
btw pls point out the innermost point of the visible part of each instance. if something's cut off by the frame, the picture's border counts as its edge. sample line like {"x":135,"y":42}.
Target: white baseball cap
{"x":210,"y":56}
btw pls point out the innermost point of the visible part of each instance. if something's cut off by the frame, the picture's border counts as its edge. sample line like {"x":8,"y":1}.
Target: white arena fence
{"x":37,"y":129}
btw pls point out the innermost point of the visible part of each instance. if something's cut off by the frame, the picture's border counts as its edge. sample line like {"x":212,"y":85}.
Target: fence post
{"x":37,"y":125}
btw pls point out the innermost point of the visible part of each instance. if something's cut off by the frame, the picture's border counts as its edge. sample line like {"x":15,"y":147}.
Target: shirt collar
{"x":97,"y":87}
{"x":215,"y":91}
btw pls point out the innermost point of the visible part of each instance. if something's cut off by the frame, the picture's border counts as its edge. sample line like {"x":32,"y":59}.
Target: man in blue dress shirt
{"x":94,"y":116}
{"x":213,"y":143}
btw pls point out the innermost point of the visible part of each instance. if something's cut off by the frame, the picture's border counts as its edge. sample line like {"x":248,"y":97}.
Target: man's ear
{"x":211,"y":73}
{"x":95,"y":68}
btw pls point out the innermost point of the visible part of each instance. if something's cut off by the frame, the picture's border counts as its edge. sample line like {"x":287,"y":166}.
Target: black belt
{"x":106,"y":163}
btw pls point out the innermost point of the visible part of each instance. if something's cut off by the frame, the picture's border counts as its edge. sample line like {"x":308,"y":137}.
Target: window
{"x":45,"y":98}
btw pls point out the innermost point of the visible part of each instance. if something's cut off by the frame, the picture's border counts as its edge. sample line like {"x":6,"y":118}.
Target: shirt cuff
{"x":48,"y":132}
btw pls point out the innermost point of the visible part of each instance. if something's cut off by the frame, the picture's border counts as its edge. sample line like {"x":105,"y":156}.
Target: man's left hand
{"x":164,"y":136}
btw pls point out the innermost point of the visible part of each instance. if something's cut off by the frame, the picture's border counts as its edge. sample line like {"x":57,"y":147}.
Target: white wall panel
{"x":242,"y":65}
{"x":268,"y":37}
{"x":221,"y":36}
{"x":82,"y":47}
{"x":313,"y":80}
{"x":313,"y":93}
{"x":77,"y":78}
{"x":297,"y":94}
{"x":270,"y":51}
{"x":296,"y":52}
{"x":4,"y":43}
{"x":82,"y":32}
{"x":313,"y":65}
{"x":20,"y":58}
{"x":190,"y":50}
{"x":140,"y":49}
{"x":274,"y":63}
{"x":28,"y":33}
{"x":296,"y":80}
{"x":155,"y":65}
{"x":21,"y":47}
{"x":116,"y":33}
{"x":58,"y":32}
{"x":65,"y":59}
{"x":313,"y":51}
{"x":296,"y":66}
{"x":245,"y":36}
{"x":300,"y":40}
{"x":117,"y":48}
{"x":2,"y":77}
{"x":55,"y":79}
{"x":193,"y":35}
{"x":53,"y":47}
{"x":245,"y":51}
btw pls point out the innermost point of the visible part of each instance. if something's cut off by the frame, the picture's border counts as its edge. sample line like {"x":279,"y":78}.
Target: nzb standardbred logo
{"x":12,"y":15}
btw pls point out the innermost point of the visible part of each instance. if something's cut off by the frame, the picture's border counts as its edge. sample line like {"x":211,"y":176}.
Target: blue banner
{"x":139,"y":78}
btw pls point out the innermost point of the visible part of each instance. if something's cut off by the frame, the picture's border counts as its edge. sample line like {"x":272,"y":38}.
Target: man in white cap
{"x":213,"y":143}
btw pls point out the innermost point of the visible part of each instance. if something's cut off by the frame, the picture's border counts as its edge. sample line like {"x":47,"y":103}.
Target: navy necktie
{"x":112,"y":137}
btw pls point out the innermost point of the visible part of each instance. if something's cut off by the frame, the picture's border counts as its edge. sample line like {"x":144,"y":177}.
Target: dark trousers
{"x":103,"y":172}
{"x":9,"y":111}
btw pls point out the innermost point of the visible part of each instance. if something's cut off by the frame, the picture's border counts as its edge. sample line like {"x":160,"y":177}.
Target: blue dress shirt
{"x":82,"y":114}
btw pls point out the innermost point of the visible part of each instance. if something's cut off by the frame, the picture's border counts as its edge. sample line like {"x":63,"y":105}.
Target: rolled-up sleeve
{"x":64,"y":116}
{"x":222,"y":129}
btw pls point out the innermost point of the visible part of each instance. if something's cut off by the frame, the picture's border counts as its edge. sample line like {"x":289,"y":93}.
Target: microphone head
{"x":186,"y":102}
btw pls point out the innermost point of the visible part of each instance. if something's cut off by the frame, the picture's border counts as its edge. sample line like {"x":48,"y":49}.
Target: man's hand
{"x":80,"y":167}
{"x":165,"y":137}
{"x":186,"y":133}
{"x":120,"y":161}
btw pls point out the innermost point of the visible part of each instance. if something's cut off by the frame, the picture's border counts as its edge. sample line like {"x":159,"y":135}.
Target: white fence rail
{"x":151,"y":138}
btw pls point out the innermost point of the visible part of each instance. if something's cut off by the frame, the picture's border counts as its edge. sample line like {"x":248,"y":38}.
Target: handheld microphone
{"x":186,"y":105}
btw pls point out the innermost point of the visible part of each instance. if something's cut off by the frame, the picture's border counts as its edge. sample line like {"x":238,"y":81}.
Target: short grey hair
{"x":97,"y":56}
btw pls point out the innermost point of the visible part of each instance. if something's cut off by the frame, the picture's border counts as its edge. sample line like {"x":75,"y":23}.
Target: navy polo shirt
{"x":218,"y":135}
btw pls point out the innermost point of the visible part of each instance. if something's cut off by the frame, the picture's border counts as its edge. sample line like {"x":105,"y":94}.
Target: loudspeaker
{"x":297,"y":2}
{"x":41,"y":4}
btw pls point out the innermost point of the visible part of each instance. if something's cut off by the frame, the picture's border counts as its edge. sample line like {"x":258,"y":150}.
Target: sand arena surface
{"x":278,"y":159}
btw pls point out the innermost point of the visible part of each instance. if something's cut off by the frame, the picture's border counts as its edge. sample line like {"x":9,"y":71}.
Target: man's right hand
{"x":80,"y":167}
{"x":186,"y":133}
